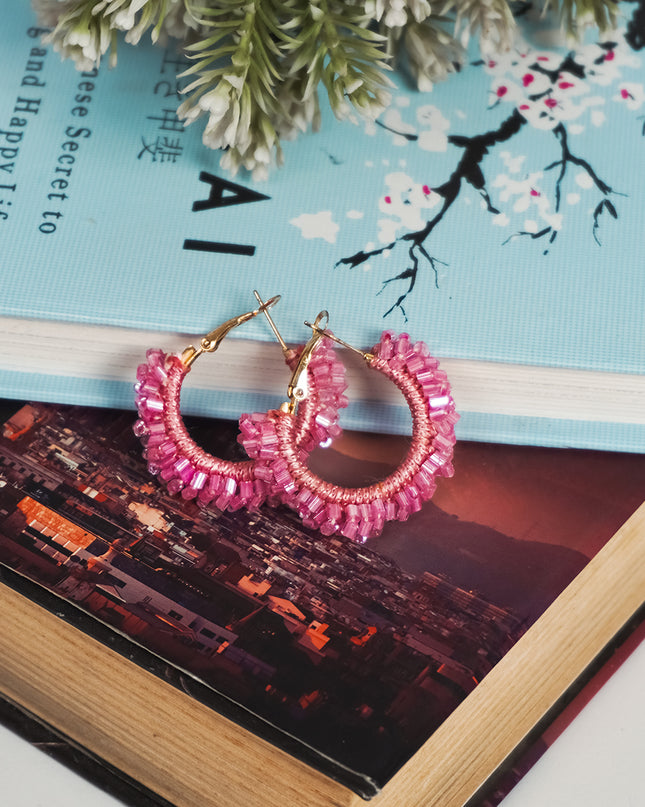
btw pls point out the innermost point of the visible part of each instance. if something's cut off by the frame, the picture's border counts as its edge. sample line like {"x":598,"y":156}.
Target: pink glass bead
{"x":328,"y":527}
{"x":174,"y":486}
{"x":350,"y":528}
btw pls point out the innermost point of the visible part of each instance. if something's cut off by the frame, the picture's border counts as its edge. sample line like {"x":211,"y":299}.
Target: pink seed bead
{"x":425,"y":483}
{"x":422,"y":349}
{"x":222,"y":501}
{"x":260,"y":491}
{"x":267,"y":449}
{"x":156,"y":427}
{"x":155,"y":440}
{"x":174,"y":486}
{"x":365,"y":511}
{"x":433,"y":463}
{"x":390,"y":510}
{"x":167,"y":471}
{"x":140,"y":428}
{"x":350,"y":528}
{"x":264,"y":473}
{"x":443,"y":443}
{"x":414,"y":362}
{"x":334,"y":512}
{"x":304,"y":497}
{"x":149,"y":387}
{"x":251,"y":446}
{"x":184,"y":470}
{"x":159,"y":374}
{"x":281,"y":473}
{"x":402,"y":344}
{"x":154,"y":356}
{"x":315,"y":505}
{"x":325,"y":418}
{"x":439,"y":404}
{"x":235,"y":503}
{"x":167,"y":449}
{"x":353,"y":512}
{"x":198,"y":481}
{"x":152,"y":404}
{"x":246,"y":490}
{"x":320,"y":517}
{"x":204,"y":497}
{"x":328,"y":527}
{"x":386,"y":350}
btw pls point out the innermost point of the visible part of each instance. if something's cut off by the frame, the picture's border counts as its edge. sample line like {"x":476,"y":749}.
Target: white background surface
{"x":599,"y":761}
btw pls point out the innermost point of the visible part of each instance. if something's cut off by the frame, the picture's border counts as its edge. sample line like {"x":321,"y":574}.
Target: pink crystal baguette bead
{"x":185,"y":468}
{"x":361,"y":513}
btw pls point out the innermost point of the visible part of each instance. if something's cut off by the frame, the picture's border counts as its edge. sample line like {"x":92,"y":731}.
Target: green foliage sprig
{"x":258,"y":65}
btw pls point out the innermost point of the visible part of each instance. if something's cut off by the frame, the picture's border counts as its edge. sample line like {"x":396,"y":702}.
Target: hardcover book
{"x":407,"y":670}
{"x":497,"y":217}
{"x":115,"y":784}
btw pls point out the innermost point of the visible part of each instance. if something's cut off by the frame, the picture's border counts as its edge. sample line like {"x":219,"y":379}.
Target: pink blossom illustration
{"x":557,"y":95}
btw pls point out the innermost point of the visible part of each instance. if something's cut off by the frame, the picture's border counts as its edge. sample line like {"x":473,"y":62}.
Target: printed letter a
{"x":224,"y":193}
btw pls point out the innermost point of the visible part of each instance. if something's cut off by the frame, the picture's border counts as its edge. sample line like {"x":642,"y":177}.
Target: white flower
{"x":404,"y":203}
{"x":602,"y":62}
{"x":630,"y":94}
{"x":394,"y":13}
{"x":527,"y":195}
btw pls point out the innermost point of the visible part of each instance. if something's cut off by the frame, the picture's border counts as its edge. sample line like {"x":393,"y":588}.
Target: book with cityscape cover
{"x":115,"y":783}
{"x":498,"y":218}
{"x":203,"y":652}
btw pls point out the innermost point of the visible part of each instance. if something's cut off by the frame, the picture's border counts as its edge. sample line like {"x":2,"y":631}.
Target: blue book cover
{"x":498,"y":217}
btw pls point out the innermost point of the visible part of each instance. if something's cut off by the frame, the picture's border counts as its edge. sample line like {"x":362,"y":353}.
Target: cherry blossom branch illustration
{"x":568,"y":158}
{"x":547,"y":91}
{"x":468,"y":170}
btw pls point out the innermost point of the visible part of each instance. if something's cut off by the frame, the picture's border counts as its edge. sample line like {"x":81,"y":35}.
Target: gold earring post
{"x":316,"y":329}
{"x":298,"y":388}
{"x":212,"y":340}
{"x":272,"y":325}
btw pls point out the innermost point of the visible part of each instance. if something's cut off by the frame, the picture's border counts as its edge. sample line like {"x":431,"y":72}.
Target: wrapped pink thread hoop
{"x":360,"y":513}
{"x":186,"y":468}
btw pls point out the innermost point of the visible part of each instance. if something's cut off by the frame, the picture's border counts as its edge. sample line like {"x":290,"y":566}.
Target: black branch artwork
{"x":566,"y":160}
{"x":542,"y":90}
{"x":468,"y":170}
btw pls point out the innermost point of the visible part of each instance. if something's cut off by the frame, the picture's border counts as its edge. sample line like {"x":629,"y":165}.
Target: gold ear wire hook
{"x":276,"y":332}
{"x":212,"y":340}
{"x":299,"y":385}
{"x":367,"y":356}
{"x":298,"y":388}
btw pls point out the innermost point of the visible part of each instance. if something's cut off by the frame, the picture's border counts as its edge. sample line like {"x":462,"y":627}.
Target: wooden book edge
{"x":182,"y":749}
{"x":190,"y":754}
{"x":510,"y":701}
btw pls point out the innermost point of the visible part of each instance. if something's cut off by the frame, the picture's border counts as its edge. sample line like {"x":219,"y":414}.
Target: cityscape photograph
{"x":358,"y":650}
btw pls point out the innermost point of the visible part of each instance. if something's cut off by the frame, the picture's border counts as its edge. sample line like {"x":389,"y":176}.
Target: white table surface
{"x":599,"y":760}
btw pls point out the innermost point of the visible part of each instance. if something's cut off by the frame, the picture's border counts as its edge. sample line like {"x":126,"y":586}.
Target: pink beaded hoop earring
{"x":181,"y":464}
{"x":360,"y":513}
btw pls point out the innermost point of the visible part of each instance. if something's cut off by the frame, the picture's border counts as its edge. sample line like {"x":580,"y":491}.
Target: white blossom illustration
{"x":558,"y":95}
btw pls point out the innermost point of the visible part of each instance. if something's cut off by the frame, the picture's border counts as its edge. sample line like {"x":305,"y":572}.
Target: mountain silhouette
{"x":525,"y":576}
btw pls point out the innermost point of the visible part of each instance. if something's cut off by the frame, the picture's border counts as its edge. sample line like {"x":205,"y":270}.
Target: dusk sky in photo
{"x":574,"y":498}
